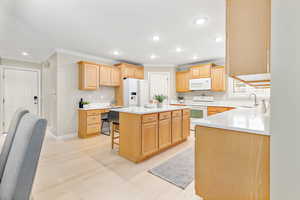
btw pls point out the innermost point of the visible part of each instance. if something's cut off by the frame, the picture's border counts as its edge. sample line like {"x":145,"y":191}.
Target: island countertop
{"x":241,"y":119}
{"x":143,"y":110}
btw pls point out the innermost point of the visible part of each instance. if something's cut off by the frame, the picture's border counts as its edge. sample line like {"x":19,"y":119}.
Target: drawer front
{"x":150,"y":118}
{"x":93,"y":112}
{"x":93,"y":128}
{"x":164,"y":115}
{"x":218,"y":109}
{"x":94,"y":119}
{"x":186,"y":112}
{"x":176,"y":113}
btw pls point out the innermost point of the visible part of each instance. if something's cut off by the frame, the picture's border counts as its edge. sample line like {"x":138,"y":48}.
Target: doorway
{"x":159,"y":83}
{"x":20,"y":87}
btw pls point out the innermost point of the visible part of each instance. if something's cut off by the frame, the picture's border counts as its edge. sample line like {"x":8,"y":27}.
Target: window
{"x":240,"y":89}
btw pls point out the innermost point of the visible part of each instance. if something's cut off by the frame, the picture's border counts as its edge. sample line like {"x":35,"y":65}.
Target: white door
{"x":159,"y":83}
{"x":21,"y":89}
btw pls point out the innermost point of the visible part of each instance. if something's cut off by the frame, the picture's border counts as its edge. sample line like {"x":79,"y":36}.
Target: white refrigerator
{"x":135,"y":92}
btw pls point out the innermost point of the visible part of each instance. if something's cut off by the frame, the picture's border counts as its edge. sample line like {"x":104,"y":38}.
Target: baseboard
{"x":61,"y":137}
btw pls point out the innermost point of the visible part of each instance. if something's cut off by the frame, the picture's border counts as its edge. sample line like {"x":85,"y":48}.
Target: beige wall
{"x":172,"y":71}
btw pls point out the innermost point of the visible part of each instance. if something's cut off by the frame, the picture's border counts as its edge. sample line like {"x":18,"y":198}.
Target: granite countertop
{"x":142,"y":110}
{"x":220,"y":103}
{"x":241,"y":119}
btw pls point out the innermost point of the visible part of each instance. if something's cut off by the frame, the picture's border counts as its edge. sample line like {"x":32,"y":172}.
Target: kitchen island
{"x":232,"y":158}
{"x":145,"y":132}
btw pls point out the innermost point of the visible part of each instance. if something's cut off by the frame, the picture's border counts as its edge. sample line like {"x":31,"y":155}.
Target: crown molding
{"x":159,"y":65}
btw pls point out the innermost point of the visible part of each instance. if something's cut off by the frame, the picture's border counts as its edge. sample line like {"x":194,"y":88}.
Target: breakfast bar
{"x":145,"y":132}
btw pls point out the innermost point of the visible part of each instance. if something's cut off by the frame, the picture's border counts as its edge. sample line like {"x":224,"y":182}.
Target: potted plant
{"x":160,"y":99}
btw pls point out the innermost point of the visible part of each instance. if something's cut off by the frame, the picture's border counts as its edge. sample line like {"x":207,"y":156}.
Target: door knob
{"x":35,"y":99}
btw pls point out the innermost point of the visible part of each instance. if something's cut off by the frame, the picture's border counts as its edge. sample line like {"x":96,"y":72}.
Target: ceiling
{"x":100,"y":27}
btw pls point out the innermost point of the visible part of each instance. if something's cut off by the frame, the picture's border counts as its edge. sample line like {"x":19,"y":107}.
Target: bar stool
{"x":113,"y":117}
{"x":105,"y":121}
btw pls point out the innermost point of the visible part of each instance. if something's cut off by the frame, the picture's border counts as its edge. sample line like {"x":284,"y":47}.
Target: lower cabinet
{"x":149,"y":138}
{"x":176,"y":128}
{"x":165,"y":134}
{"x":186,"y":123}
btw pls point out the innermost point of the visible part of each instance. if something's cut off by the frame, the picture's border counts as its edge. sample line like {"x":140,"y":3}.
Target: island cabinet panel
{"x":186,"y":123}
{"x":149,"y":138}
{"x":231,"y":165}
{"x":165,"y":130}
{"x":176,"y":126}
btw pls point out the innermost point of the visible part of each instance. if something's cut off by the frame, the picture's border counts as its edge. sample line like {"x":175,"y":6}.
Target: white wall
{"x":285,"y":98}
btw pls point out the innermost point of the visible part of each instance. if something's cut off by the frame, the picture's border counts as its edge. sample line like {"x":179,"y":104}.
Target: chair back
{"x":14,"y":123}
{"x":113,"y":116}
{"x":23,"y":159}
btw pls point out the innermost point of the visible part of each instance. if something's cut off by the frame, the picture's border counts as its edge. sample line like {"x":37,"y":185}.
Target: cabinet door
{"x":165,"y":134}
{"x":115,"y":77}
{"x":149,"y":138}
{"x":218,"y":79}
{"x":176,"y":129}
{"x":139,"y":73}
{"x":185,"y":126}
{"x":128,"y":72}
{"x":248,"y":36}
{"x":105,"y":75}
{"x":201,"y":71}
{"x":88,"y":76}
{"x":182,"y":81}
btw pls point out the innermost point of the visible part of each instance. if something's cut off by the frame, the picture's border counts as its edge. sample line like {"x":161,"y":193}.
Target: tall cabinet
{"x":248,"y":36}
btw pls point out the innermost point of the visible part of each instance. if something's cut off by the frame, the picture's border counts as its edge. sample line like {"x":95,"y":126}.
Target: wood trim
{"x":257,"y":81}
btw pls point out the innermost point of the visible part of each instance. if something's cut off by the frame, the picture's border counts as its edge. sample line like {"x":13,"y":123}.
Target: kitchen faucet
{"x":255,"y":98}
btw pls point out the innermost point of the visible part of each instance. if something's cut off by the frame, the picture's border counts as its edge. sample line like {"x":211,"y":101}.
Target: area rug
{"x":179,"y":170}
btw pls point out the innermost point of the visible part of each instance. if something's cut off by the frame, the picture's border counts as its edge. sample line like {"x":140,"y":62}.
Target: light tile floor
{"x":87,"y":169}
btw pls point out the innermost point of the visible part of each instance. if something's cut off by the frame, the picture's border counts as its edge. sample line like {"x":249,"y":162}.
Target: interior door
{"x":21,"y":89}
{"x":159,"y":83}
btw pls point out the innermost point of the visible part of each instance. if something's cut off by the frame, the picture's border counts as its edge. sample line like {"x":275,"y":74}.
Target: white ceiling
{"x":98,"y":27}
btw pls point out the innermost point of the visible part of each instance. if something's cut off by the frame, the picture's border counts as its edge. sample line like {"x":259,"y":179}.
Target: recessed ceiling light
{"x":116,"y":53}
{"x":178,"y":49}
{"x":201,"y":21}
{"x":25,"y":53}
{"x":195,"y":57}
{"x":219,"y":39}
{"x":153,"y":56}
{"x":155,"y":38}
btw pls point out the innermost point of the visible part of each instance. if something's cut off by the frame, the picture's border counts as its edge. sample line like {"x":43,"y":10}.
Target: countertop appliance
{"x":200,"y":84}
{"x":135,"y":92}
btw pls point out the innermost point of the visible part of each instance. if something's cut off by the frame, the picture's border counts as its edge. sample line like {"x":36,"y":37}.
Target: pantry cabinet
{"x":88,"y":76}
{"x":248,"y":36}
{"x":218,"y":79}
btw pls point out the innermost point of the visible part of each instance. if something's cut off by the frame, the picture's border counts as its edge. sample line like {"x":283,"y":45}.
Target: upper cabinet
{"x":182,"y":81}
{"x":88,"y":76}
{"x":248,"y":37}
{"x":109,"y":76}
{"x":201,"y":71}
{"x":131,"y":71}
{"x":218,"y":79}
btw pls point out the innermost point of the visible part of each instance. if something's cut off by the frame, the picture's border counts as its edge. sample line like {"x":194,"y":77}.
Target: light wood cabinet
{"x":212,"y":110}
{"x":89,"y":122}
{"x":248,"y":37}
{"x":109,"y":76}
{"x":201,"y":71}
{"x":176,"y":127}
{"x":231,"y":165}
{"x":218,"y":79}
{"x":165,"y":130}
{"x":88,"y":76}
{"x":186,"y":123}
{"x":149,"y":138}
{"x":145,"y":135}
{"x":182,"y":81}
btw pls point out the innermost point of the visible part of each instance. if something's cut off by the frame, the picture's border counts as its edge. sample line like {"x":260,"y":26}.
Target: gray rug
{"x":178,"y":170}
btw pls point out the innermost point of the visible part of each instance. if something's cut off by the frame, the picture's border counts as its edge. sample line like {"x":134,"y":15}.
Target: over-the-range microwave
{"x":200,"y":84}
